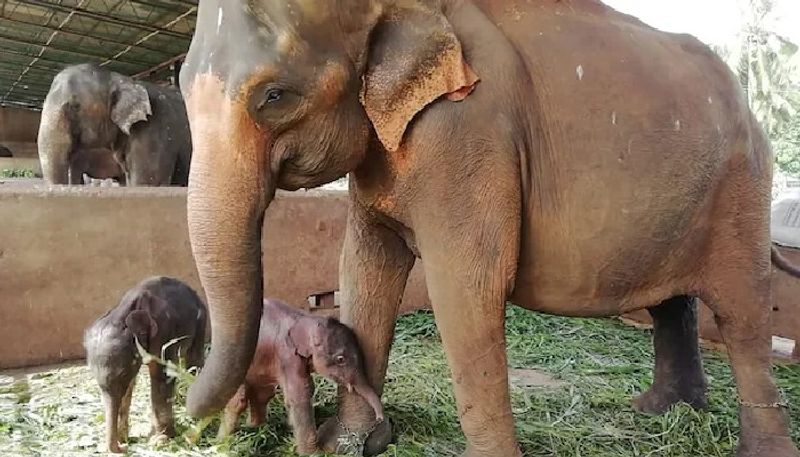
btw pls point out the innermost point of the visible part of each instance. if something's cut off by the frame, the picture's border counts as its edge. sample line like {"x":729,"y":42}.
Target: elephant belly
{"x":634,"y":130}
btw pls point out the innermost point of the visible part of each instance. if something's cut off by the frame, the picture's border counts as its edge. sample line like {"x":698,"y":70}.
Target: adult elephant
{"x":107,"y":125}
{"x":555,"y":153}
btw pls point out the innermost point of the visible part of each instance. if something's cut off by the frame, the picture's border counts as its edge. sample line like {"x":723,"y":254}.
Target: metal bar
{"x":104,"y":17}
{"x":12,"y":103}
{"x":148,"y":36}
{"x":35,"y":68}
{"x":4,"y":50}
{"x":160,"y":66}
{"x":160,"y":5}
{"x":51,"y":47}
{"x":42,"y":50}
{"x":34,"y":98}
{"x":82,"y":35}
{"x":11,"y":77}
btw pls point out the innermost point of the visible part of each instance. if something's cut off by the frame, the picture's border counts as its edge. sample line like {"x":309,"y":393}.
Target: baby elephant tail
{"x":784,"y":265}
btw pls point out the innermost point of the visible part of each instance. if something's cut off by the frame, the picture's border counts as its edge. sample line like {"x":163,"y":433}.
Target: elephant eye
{"x":339,"y":359}
{"x":273,"y":95}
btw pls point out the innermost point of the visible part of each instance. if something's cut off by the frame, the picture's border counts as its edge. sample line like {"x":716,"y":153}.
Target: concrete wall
{"x":67,"y":254}
{"x":18,"y":130}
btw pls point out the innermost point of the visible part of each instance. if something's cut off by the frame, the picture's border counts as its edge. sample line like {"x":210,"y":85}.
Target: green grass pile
{"x":18,"y":173}
{"x":601,"y":364}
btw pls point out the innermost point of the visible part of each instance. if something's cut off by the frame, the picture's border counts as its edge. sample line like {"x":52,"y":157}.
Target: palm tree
{"x":767,"y":66}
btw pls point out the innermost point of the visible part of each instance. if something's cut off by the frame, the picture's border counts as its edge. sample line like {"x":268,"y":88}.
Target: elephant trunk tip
{"x":371,"y":397}
{"x":214,"y":387}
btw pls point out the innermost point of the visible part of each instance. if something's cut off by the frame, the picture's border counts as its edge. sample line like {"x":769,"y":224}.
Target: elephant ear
{"x":414,"y":58}
{"x":140,"y":320}
{"x":130,"y":103}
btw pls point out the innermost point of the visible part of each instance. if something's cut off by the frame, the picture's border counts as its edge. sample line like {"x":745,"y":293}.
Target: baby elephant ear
{"x":141,"y":322}
{"x":414,"y":58}
{"x":130,"y":102}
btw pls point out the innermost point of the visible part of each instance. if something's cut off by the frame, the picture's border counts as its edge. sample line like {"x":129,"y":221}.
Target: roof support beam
{"x":51,"y":47}
{"x":102,"y":39}
{"x":160,"y":66}
{"x":103,"y":17}
{"x":63,"y":63}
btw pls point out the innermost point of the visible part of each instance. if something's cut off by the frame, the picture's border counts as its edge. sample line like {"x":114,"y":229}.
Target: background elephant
{"x":555,"y":153}
{"x":107,"y":125}
{"x":5,"y":152}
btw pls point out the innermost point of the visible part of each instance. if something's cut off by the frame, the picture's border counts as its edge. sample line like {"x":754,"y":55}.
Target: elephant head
{"x":86,"y":108}
{"x":288,"y":95}
{"x":334,"y":353}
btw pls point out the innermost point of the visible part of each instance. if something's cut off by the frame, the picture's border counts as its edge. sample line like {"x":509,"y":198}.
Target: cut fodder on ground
{"x":572,"y":381}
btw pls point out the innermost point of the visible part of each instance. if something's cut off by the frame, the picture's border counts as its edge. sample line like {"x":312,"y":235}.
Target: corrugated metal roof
{"x":38,"y":38}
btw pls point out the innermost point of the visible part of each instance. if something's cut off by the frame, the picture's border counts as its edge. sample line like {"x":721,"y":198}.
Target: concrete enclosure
{"x":18,"y":131}
{"x":67,"y":254}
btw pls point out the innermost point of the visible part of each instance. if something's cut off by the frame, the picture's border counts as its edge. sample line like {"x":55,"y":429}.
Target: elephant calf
{"x":155,"y":312}
{"x":291,"y":345}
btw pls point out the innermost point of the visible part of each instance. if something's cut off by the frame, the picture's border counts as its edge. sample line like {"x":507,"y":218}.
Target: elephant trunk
{"x":55,"y":144}
{"x":230,"y":187}
{"x":366,"y":392}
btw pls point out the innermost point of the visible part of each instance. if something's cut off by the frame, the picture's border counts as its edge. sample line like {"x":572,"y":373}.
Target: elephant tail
{"x":784,"y":265}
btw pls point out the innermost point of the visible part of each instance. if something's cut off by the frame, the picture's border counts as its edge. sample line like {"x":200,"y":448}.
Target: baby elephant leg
{"x":125,"y":410}
{"x":161,"y":389}
{"x":259,"y":399}
{"x":233,"y":410}
{"x":112,"y":403}
{"x":298,"y":393}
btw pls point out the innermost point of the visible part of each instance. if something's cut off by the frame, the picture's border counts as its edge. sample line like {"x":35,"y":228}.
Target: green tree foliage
{"x":768,"y":67}
{"x":786,"y":146}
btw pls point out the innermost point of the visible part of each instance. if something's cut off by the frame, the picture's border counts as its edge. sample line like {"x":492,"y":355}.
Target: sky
{"x":712,"y":21}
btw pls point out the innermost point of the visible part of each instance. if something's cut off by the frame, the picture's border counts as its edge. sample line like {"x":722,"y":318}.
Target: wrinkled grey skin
{"x":107,"y":125}
{"x":156,"y":311}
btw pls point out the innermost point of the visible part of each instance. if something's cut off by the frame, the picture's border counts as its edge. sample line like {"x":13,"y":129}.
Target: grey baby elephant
{"x":156,"y":311}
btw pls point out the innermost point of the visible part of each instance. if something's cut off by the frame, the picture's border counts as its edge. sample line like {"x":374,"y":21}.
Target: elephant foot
{"x":767,"y":446}
{"x":472,"y":452}
{"x":167,"y":431}
{"x":117,"y":448}
{"x":658,"y":399}
{"x":308,"y":450}
{"x":368,"y":440}
{"x":158,"y":439}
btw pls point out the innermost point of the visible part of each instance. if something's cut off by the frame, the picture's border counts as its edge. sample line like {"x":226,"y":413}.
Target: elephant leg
{"x":235,"y":407}
{"x":258,"y":406}
{"x":76,"y":175}
{"x":147,"y":164}
{"x":371,"y":255}
{"x":125,"y":410}
{"x":471,"y":322}
{"x":740,"y":299}
{"x":298,"y":394}
{"x":161,"y":390}
{"x":112,"y":403}
{"x":678,"y":372}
